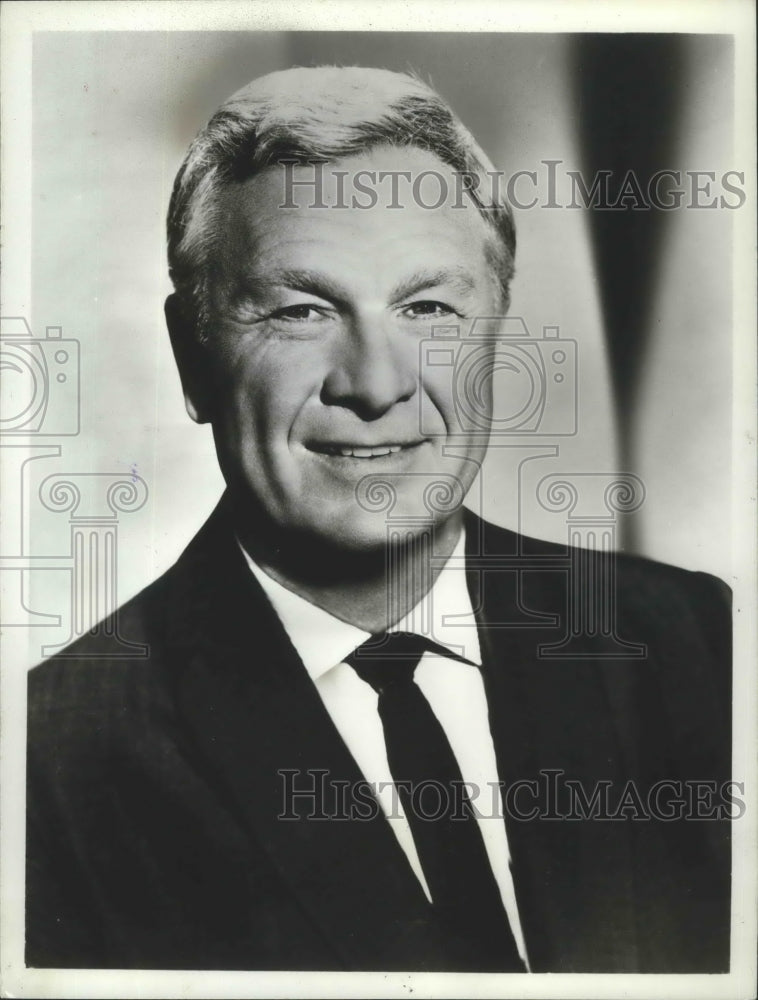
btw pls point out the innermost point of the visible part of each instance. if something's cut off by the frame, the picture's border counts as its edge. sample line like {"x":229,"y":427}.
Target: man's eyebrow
{"x":458,"y":277}
{"x":318,"y":283}
{"x":298,"y":279}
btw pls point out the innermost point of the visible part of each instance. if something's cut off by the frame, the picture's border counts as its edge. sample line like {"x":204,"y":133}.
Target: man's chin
{"x":359,"y":533}
{"x":372,"y":532}
{"x":364,"y":523}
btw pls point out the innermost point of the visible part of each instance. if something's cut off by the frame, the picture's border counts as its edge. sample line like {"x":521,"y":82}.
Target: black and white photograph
{"x":378,"y":458}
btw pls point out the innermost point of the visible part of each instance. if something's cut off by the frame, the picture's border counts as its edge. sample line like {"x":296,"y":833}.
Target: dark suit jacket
{"x":154,"y":785}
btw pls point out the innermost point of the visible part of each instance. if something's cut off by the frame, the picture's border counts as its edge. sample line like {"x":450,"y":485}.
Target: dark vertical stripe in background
{"x":629,"y":96}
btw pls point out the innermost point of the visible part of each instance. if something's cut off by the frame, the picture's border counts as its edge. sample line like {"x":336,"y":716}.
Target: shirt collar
{"x":322,"y":641}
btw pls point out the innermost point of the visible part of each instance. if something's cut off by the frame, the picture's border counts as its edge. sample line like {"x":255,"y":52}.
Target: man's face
{"x":317,"y":319}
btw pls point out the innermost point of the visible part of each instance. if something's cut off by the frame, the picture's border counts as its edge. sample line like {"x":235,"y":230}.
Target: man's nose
{"x":373,"y":370}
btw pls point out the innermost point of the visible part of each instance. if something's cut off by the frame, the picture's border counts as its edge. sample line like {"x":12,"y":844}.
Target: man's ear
{"x":191,"y":358}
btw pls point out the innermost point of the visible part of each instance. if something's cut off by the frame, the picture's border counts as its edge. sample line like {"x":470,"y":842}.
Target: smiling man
{"x":310,"y":369}
{"x":337,"y":754}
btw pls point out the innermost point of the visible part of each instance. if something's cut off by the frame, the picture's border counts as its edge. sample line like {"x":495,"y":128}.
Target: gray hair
{"x":315,"y":114}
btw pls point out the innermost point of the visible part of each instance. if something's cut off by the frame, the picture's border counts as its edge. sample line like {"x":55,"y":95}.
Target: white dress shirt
{"x":454,"y":690}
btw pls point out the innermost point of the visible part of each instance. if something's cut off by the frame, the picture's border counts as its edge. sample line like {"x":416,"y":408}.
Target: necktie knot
{"x":389,"y":659}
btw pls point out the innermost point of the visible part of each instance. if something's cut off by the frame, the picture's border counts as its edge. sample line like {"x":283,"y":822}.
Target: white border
{"x":19,"y":21}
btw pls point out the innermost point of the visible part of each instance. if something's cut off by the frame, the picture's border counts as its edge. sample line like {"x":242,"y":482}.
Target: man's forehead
{"x":382,"y":178}
{"x":395,"y":170}
{"x":391,"y":200}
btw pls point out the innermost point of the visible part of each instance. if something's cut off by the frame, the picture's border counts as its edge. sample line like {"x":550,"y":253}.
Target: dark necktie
{"x":465,"y":896}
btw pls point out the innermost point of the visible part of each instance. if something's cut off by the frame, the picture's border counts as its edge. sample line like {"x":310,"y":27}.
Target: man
{"x":334,"y":645}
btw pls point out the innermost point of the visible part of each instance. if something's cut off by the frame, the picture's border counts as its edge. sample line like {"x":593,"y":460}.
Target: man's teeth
{"x":384,"y":449}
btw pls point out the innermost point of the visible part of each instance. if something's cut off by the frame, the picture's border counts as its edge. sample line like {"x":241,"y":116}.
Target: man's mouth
{"x":340,"y":450}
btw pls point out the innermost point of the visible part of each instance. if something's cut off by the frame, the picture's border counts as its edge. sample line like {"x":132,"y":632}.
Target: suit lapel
{"x":550,"y":721}
{"x":254,"y":713}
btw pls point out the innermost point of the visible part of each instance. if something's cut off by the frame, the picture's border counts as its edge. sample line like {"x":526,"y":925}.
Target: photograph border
{"x":19,"y":21}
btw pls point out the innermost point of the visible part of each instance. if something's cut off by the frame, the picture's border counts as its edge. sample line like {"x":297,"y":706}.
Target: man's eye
{"x":428,"y":309}
{"x":303,"y":312}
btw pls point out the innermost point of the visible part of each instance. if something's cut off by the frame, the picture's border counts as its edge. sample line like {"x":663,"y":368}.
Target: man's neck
{"x":371,"y":590}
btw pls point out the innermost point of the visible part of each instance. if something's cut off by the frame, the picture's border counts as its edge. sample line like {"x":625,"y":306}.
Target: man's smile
{"x":362,"y":451}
